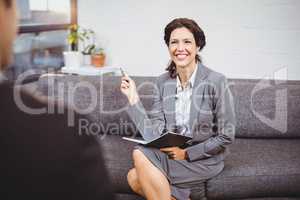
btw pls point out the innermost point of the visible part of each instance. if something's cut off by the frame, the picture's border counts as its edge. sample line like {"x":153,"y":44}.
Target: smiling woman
{"x":195,"y":36}
{"x":189,"y":95}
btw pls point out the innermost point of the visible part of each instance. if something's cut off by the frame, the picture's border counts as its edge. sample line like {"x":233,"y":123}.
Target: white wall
{"x":245,"y":38}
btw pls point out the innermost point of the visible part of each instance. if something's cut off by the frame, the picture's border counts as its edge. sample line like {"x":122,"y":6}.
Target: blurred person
{"x":41,"y":156}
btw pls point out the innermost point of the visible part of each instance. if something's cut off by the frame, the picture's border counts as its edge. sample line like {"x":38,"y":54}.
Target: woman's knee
{"x":138,"y":157}
{"x":132,"y":175}
{"x":132,"y":179}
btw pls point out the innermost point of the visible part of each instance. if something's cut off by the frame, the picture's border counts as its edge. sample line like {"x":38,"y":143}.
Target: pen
{"x":122,"y":71}
{"x":123,"y":74}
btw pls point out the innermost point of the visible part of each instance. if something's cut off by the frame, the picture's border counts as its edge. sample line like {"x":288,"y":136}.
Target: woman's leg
{"x":134,"y":182}
{"x":154,"y":184}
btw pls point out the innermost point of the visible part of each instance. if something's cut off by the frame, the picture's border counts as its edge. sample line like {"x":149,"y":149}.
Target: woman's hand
{"x":128,"y":88}
{"x":175,"y":153}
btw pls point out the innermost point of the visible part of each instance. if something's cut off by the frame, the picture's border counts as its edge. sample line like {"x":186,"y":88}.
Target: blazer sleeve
{"x":150,"y":125}
{"x":225,"y":121}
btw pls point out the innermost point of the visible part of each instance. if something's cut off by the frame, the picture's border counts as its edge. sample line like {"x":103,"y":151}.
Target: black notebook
{"x":169,"y":139}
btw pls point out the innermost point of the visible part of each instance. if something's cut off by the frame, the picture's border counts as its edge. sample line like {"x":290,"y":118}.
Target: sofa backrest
{"x":264,"y":109}
{"x":267,"y":109}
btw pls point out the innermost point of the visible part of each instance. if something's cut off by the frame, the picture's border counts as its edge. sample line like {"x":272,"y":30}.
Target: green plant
{"x":73,"y":37}
{"x":76,"y":34}
{"x":98,"y":51}
{"x":88,"y":50}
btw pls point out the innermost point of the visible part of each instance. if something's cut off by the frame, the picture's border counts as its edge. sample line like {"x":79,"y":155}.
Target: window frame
{"x":51,"y":27}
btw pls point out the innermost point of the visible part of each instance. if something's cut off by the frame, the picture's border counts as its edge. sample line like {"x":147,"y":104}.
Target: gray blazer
{"x":212,"y":117}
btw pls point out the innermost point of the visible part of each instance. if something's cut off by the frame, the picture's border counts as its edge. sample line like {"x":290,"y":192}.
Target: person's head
{"x":8,"y":30}
{"x":184,"y":39}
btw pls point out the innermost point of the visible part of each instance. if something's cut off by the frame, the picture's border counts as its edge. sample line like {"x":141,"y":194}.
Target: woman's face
{"x":182,"y":48}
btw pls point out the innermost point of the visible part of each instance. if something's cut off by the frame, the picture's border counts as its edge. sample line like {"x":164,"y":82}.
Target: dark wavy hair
{"x":195,"y":30}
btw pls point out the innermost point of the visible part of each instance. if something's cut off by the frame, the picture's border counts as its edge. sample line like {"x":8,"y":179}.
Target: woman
{"x":189,"y":95}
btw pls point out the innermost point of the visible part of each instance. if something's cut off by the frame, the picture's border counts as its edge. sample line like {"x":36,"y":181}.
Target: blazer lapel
{"x":169,"y":102}
{"x":201,"y":74}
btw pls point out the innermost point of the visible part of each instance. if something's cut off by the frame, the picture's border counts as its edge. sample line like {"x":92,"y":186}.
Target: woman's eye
{"x":173,"y":42}
{"x":188,"y":42}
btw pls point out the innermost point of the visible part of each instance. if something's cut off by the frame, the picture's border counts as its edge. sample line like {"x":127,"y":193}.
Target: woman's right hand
{"x":128,"y":88}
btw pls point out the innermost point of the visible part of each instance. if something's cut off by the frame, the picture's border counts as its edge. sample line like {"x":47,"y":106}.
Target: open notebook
{"x":169,"y":139}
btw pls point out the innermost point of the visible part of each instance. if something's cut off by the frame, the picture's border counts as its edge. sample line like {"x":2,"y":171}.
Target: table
{"x":90,"y":70}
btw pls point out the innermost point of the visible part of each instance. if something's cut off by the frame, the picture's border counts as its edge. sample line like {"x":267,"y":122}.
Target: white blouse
{"x":183,"y":103}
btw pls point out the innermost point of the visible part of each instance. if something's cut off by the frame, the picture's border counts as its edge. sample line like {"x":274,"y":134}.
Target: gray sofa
{"x":265,"y":158}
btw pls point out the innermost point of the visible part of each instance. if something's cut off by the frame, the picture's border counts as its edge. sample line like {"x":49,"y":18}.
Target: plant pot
{"x":98,"y":60}
{"x":72,"y":59}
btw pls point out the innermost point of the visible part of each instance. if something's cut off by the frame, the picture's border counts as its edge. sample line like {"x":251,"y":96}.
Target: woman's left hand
{"x":175,"y":153}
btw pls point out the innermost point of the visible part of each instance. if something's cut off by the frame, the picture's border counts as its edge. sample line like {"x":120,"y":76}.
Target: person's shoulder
{"x":214,"y":76}
{"x":11,"y":94}
{"x":161,"y":80}
{"x":4,"y":88}
{"x":26,"y":102}
{"x":163,"y":77}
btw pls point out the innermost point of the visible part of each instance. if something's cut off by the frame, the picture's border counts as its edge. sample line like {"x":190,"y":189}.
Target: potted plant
{"x":88,"y":40}
{"x":73,"y":37}
{"x":73,"y":58}
{"x":87,"y":52}
{"x":98,"y":57}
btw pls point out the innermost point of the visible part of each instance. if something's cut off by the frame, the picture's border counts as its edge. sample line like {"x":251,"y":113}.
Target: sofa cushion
{"x":255,"y":168}
{"x":128,"y":197}
{"x":273,"y":198}
{"x":267,"y":109}
{"x":118,"y":160}
{"x":259,"y":168}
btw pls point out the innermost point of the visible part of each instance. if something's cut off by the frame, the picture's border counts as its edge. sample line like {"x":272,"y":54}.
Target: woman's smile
{"x":183,"y":48}
{"x":181,"y":56}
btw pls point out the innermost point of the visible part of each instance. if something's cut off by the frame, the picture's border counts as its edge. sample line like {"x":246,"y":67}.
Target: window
{"x":42,"y":34}
{"x":45,"y":13}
